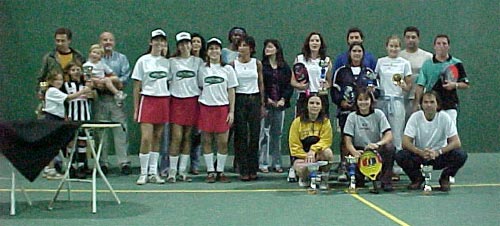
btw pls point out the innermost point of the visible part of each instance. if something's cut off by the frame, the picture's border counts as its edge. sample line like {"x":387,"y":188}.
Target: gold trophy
{"x":397,"y":79}
{"x":41,"y":95}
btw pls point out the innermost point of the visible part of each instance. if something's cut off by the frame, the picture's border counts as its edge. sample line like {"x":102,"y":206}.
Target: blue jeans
{"x":270,"y":138}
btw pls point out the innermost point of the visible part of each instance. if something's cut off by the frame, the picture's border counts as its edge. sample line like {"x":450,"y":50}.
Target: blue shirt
{"x":369,"y":61}
{"x":119,"y":64}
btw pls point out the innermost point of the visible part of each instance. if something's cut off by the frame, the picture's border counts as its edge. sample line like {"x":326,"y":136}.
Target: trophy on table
{"x":322,"y":77}
{"x":351,"y":160}
{"x":426,"y":173}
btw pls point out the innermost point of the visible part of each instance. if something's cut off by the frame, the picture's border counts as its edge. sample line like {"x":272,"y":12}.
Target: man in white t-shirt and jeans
{"x":431,"y":138}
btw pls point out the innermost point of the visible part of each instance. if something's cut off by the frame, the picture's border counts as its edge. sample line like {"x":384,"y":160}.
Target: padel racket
{"x":450,"y":73}
{"x":301,"y":74}
{"x":370,"y":165}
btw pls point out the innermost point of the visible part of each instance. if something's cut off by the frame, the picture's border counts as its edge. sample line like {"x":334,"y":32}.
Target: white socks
{"x":209,"y":160}
{"x":173,"y":162}
{"x":221,"y":162}
{"x":183,"y":163}
{"x":153,"y":162}
{"x":144,"y":160}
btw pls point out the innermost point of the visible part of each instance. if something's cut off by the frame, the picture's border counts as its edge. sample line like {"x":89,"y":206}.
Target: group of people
{"x":205,"y":92}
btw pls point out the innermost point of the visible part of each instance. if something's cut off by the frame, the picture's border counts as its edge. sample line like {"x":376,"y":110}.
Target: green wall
{"x":26,"y":32}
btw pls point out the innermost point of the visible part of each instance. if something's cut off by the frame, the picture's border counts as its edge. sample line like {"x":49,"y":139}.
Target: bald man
{"x":107,"y":109}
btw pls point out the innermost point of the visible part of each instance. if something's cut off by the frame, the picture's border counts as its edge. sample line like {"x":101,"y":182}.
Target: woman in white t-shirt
{"x":318,"y":66}
{"x":151,"y":104}
{"x":184,"y":108}
{"x":394,"y":74}
{"x":218,"y":82}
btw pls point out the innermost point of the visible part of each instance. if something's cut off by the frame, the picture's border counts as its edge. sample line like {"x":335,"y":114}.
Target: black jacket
{"x":281,"y":85}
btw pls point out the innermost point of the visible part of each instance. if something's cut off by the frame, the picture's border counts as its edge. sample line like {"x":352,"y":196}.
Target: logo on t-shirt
{"x":213,"y":80}
{"x":185,"y":74}
{"x":158,"y":74}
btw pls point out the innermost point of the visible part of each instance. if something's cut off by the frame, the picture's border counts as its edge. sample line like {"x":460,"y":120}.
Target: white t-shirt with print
{"x":153,"y":72}
{"x":386,"y":68}
{"x":216,"y":80}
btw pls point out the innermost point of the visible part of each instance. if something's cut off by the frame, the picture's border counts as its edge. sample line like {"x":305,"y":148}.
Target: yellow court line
{"x":380,"y":210}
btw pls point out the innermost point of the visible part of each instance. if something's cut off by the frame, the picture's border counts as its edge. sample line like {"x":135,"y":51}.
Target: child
{"x":101,"y":74}
{"x":54,"y":109}
{"x":77,"y":109}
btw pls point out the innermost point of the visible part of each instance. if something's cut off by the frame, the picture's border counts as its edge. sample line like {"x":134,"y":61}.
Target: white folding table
{"x":13,"y":191}
{"x":96,"y":169}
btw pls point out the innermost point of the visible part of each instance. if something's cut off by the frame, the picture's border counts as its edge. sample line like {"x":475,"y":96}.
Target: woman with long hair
{"x":277,"y":92}
{"x":151,"y":104}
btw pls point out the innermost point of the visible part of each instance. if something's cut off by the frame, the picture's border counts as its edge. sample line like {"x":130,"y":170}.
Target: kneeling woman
{"x":368,"y":129}
{"x":216,"y":109}
{"x":310,"y":139}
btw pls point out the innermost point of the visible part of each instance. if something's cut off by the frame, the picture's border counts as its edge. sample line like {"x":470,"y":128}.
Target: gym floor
{"x":473,"y":200}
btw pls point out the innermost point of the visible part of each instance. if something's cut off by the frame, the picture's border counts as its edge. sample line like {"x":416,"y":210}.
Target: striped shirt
{"x":78,"y":109}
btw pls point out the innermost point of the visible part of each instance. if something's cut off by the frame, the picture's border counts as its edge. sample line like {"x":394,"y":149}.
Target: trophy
{"x":317,"y":179}
{"x":426,"y":173}
{"x":351,"y":160}
{"x":349,"y":94}
{"x":370,"y":165}
{"x":41,"y":95}
{"x":397,"y":79}
{"x":322,"y":77}
{"x":87,"y":72}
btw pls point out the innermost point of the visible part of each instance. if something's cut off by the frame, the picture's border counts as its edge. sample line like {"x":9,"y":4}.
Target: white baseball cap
{"x":183,"y":36}
{"x":214,"y":39}
{"x":158,"y":32}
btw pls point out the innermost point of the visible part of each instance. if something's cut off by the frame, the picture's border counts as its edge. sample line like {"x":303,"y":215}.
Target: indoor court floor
{"x":473,"y":200}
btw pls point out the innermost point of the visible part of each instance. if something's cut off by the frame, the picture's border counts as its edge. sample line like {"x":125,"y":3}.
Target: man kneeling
{"x":431,"y":138}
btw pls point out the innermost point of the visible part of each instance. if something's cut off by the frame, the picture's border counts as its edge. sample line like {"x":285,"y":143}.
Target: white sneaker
{"x":452,"y":180}
{"x":52,"y":174}
{"x":155,"y":179}
{"x":143,"y":179}
{"x":303,"y":183}
{"x":323,"y":185}
{"x":184,"y":177}
{"x":342,"y":178}
{"x":171,"y":175}
{"x":397,"y":170}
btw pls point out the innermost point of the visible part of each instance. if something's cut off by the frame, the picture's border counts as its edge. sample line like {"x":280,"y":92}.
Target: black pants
{"x":450,"y":162}
{"x":246,"y":132}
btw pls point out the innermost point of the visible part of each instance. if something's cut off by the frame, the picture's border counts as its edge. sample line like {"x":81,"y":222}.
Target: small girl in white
{"x":102,"y":75}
